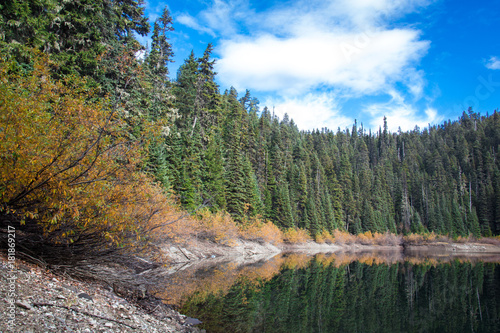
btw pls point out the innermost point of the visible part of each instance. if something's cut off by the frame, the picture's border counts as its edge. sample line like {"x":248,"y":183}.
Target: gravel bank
{"x":44,"y":302}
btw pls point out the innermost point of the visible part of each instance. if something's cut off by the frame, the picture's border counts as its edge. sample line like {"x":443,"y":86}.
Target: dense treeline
{"x":225,"y":151}
{"x":443,"y":178}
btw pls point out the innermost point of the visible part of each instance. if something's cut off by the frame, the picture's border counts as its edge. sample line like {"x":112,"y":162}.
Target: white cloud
{"x":191,"y":22}
{"x":268,"y":63}
{"x":312,"y":111}
{"x":493,"y":63}
{"x":414,"y":80}
{"x":346,"y":47}
{"x":338,"y":43}
{"x":370,"y":13}
{"x":221,"y":18}
{"x":339,"y":15}
{"x":401,"y":114}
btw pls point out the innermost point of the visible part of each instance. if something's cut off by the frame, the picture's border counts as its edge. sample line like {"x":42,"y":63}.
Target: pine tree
{"x":208,"y":99}
{"x":213,"y":173}
{"x":458,"y":223}
{"x":284,"y":216}
{"x":161,"y":50}
{"x":236,"y":196}
{"x":185,"y":91}
{"x":252,"y":192}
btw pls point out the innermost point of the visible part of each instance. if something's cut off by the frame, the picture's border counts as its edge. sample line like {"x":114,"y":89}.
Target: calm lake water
{"x":341,"y":293}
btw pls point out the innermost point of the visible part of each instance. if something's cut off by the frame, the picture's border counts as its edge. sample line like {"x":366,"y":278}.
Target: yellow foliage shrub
{"x":324,"y":237}
{"x":387,"y":239}
{"x":295,"y":236}
{"x":414,"y":239}
{"x":262,"y":231}
{"x":430,"y":237}
{"x":343,"y":237}
{"x":417,"y":239}
{"x":461,"y":239}
{"x":365,"y":238}
{"x":218,"y":227}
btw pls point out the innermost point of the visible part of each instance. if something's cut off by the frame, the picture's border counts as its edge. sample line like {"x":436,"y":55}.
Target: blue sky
{"x":328,"y":62}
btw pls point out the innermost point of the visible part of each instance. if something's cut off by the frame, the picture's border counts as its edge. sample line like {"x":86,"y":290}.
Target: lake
{"x":347,"y":292}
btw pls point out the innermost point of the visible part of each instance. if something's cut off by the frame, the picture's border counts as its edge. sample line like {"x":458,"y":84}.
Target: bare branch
{"x":204,"y":204}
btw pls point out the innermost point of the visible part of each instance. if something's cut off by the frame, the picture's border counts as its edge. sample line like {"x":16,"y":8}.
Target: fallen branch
{"x":85,"y":313}
{"x":183,"y":253}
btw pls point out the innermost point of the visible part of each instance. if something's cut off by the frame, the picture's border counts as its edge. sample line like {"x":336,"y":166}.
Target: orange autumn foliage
{"x":67,"y":162}
{"x":266,"y":232}
{"x":417,"y":239}
{"x":219,"y":227}
{"x":324,"y":237}
{"x":366,"y":238}
{"x":295,"y":236}
{"x":343,"y":237}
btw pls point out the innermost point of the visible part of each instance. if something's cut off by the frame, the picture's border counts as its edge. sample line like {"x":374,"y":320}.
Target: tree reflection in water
{"x":342,"y":293}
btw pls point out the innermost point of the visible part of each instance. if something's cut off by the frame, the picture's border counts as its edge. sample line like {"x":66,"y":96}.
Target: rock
{"x":73,"y":289}
{"x":193,"y":321}
{"x":24,"y":305}
{"x":85,"y":296}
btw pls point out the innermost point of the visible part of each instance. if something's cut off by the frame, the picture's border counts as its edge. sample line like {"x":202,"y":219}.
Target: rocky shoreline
{"x":450,"y":248}
{"x":44,"y":302}
{"x":250,"y":250}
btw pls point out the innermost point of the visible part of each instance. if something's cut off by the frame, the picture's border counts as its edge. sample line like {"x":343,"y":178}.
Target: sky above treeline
{"x":329,"y":62}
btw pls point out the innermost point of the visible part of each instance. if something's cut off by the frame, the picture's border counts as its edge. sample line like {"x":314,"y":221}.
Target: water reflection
{"x":368,"y":292}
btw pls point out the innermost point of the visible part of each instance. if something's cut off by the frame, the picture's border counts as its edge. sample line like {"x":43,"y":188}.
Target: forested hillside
{"x":443,"y":178}
{"x":215,"y":148}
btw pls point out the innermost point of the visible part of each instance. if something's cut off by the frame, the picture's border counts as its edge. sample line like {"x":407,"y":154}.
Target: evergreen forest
{"x":208,"y":146}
